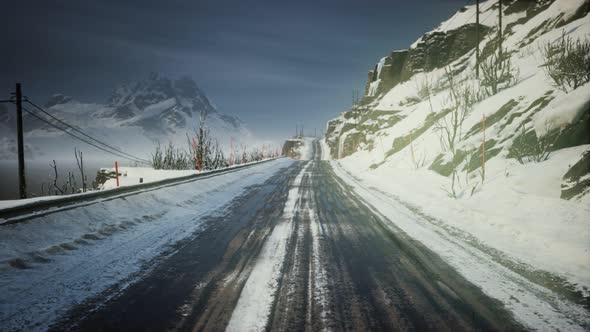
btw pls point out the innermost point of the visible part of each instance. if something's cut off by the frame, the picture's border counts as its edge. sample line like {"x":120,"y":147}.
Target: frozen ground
{"x":51,"y":263}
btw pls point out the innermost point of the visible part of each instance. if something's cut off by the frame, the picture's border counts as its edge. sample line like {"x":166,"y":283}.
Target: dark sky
{"x":273,"y":63}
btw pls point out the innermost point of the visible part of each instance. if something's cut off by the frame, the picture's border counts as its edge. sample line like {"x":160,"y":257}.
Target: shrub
{"x":171,"y":158}
{"x":461,"y":99}
{"x":527,"y":147}
{"x":498,"y":73}
{"x":567,"y":62}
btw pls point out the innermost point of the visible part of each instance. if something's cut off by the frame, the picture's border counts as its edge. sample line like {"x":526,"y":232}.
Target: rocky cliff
{"x":411,"y":99}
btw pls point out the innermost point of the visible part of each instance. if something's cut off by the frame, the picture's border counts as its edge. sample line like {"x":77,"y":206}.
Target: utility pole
{"x":500,"y":30}
{"x":22,"y":185}
{"x":477,"y":39}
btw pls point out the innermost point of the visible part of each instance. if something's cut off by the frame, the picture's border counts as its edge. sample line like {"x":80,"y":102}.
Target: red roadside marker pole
{"x":117,"y":172}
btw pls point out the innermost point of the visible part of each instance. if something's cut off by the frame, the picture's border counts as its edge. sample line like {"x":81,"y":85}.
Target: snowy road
{"x":285,"y":245}
{"x":299,"y":251}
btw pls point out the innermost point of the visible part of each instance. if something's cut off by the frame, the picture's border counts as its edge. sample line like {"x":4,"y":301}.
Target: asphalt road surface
{"x":300,"y":252}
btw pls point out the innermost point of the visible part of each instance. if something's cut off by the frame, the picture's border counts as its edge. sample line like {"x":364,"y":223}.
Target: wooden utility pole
{"x":477,"y":39}
{"x":500,"y":29}
{"x":22,"y":185}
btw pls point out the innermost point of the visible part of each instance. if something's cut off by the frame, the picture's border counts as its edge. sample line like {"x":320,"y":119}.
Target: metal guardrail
{"x":40,"y":208}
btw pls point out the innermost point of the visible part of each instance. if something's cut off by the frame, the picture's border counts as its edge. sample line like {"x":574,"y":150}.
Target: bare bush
{"x":498,"y":73}
{"x":461,"y":99}
{"x":527,"y":147}
{"x":425,"y":90}
{"x":69,"y":186}
{"x":567,"y":62}
{"x":170,"y":157}
{"x":204,"y":153}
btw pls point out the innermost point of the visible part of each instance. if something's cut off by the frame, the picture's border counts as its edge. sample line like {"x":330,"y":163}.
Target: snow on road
{"x":59,"y":260}
{"x":533,"y":305}
{"x":255,"y":302}
{"x":317,"y":291}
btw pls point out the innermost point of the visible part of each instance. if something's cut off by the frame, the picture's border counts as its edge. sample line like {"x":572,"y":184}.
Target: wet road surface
{"x":341,"y":266}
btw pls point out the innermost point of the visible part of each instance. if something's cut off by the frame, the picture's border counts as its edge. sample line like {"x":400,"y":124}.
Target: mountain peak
{"x":157,"y":88}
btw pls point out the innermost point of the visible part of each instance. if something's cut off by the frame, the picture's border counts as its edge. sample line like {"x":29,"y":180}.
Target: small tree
{"x":58,"y":189}
{"x":80,"y":162}
{"x":567,"y":62}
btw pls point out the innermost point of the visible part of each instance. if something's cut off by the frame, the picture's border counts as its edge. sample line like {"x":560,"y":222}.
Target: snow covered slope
{"x":135,"y":118}
{"x":531,"y":201}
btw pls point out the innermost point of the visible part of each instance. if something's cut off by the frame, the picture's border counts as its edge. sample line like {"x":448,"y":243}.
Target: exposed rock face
{"x":390,"y":74}
{"x":434,"y":50}
{"x":290,"y":146}
{"x":438,"y":49}
{"x":177,"y":100}
{"x":332,"y":136}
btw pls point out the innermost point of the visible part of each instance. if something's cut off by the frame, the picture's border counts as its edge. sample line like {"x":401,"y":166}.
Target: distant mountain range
{"x":135,"y":118}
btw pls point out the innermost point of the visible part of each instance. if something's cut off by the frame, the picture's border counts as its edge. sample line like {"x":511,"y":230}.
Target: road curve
{"x":299,"y":252}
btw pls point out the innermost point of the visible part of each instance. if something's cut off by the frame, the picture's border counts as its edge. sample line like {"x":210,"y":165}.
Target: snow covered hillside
{"x":135,"y":118}
{"x":505,"y":163}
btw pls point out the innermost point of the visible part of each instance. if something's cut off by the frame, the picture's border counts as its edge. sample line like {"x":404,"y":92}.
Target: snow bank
{"x":563,"y":110}
{"x":131,"y":175}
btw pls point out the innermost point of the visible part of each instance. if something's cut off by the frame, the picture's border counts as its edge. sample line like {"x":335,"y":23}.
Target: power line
{"x":79,"y":138}
{"x":469,"y":19}
{"x":487,"y":10}
{"x":86,"y":135}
